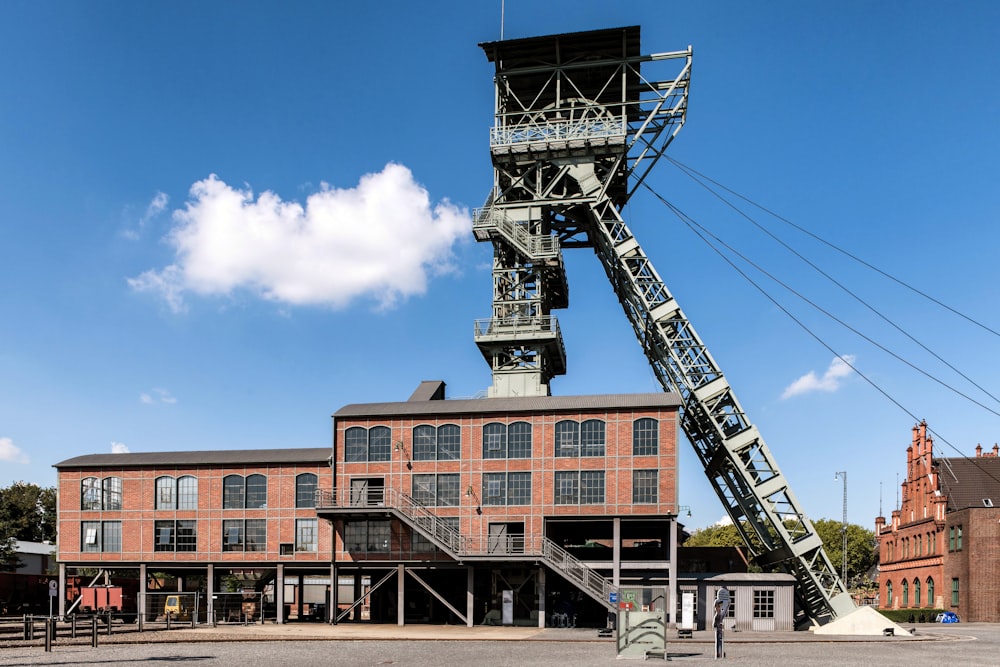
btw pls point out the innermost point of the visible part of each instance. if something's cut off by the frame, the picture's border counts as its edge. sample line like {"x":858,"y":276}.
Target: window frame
{"x":306,"y":484}
{"x":645,"y":487}
{"x":645,"y":437}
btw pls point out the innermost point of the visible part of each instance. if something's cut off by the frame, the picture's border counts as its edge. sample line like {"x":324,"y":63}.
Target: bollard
{"x":109,"y":623}
{"x":93,"y":630}
{"x":72,"y":626}
{"x":29,"y":630}
{"x":140,"y":618}
{"x":168,"y":620}
{"x":48,"y":637}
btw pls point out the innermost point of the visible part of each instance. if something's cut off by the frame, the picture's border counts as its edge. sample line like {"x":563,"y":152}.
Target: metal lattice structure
{"x":577,"y":129}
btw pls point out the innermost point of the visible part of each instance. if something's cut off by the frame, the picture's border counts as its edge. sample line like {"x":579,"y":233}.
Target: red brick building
{"x":424,"y":510}
{"x":941,"y":549}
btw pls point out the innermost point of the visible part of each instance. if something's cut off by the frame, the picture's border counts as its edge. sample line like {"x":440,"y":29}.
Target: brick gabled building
{"x":941,"y":549}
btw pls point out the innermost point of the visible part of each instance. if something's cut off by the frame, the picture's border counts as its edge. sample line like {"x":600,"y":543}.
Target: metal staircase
{"x":449,"y":540}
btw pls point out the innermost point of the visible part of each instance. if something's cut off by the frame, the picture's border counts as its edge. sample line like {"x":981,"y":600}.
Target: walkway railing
{"x":451,"y":541}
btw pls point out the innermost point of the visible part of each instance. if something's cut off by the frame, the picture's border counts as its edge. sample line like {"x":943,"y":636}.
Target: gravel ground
{"x":966,"y":644}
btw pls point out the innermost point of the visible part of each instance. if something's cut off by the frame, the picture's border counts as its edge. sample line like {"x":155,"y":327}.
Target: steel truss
{"x":578,"y":129}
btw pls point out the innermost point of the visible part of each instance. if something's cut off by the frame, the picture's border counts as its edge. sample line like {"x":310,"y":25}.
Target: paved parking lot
{"x":964,"y":644}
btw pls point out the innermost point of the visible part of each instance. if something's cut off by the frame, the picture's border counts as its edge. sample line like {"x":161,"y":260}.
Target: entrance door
{"x":368,"y":491}
{"x":507,"y":537}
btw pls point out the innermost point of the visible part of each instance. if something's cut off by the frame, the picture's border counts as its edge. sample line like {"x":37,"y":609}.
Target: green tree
{"x":28,"y":513}
{"x":861,"y":555}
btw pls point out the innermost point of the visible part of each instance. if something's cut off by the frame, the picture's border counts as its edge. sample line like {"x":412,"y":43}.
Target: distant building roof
{"x":205,"y":457}
{"x":36,"y":548}
{"x":970,"y":482}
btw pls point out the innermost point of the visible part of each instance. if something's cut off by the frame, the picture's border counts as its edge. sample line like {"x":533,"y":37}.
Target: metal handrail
{"x":448,"y":537}
{"x":517,"y":324}
{"x":532,"y":245}
{"x":557,"y":131}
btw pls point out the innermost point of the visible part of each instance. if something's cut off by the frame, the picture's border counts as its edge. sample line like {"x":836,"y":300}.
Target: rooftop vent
{"x":987,"y":502}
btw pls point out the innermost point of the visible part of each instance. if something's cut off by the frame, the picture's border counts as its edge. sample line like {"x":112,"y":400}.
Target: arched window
{"x":930,"y":591}
{"x":101,"y":494}
{"x":90,"y":494}
{"x":645,"y":437}
{"x":361,"y":444}
{"x":187,"y":493}
{"x":494,"y":441}
{"x":305,"y":490}
{"x":111,"y":491}
{"x":888,"y":596}
{"x":443,"y":443}
{"x":592,"y":438}
{"x":233,"y":492}
{"x":567,"y":438}
{"x":256,"y":492}
{"x":916,"y":593}
{"x":503,"y":441}
{"x":165,"y":488}
{"x":906,"y":594}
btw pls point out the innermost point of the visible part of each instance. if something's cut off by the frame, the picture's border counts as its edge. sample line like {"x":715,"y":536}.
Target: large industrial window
{"x":507,"y":488}
{"x":519,"y":440}
{"x":440,"y":490}
{"x":502,"y":441}
{"x":175,"y":536}
{"x":361,"y":537}
{"x":575,"y":439}
{"x":443,"y":443}
{"x":256,"y":492}
{"x":644,"y":486}
{"x":90,"y":494}
{"x":233,"y":492}
{"x":306,"y":537}
{"x":954,"y":592}
{"x":101,"y":536}
{"x":97,"y":494}
{"x":239,"y":493}
{"x":305,"y":490}
{"x":256,"y":535}
{"x":645,"y":437}
{"x":374,"y":444}
{"x":592,"y":438}
{"x":180,"y":494}
{"x":164,"y":532}
{"x":232,"y":535}
{"x":187,"y":493}
{"x":579,"y":487}
{"x":763,"y":604}
{"x":111,"y":488}
{"x":165,"y":494}
{"x":567,"y":438}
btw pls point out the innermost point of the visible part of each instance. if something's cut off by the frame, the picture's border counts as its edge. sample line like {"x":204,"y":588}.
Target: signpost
{"x":719,"y":620}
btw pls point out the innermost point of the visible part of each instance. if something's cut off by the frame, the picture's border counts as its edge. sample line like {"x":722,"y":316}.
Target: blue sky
{"x":347,"y":144}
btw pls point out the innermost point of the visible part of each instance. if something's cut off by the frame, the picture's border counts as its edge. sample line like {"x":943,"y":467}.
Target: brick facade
{"x":941,"y":548}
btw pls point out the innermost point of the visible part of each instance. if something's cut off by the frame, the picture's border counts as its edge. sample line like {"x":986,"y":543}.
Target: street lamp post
{"x":843,"y":528}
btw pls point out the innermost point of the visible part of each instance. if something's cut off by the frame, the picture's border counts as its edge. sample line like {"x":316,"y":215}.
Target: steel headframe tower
{"x":577,"y":129}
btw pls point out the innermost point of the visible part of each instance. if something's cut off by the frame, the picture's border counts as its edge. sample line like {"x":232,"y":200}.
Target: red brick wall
{"x":138,"y":515}
{"x":618,"y":464}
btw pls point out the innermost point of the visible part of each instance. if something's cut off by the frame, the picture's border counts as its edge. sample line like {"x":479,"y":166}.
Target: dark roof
{"x":516,"y":404}
{"x":967,"y":482}
{"x":207,"y":457}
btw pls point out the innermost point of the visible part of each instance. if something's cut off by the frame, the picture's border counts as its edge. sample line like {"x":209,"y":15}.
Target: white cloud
{"x":839,"y":369}
{"x":156,"y":206}
{"x":10,"y":453}
{"x":378,"y":240}
{"x":119,"y":448}
{"x":157,"y":396}
{"x":726,"y":520}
